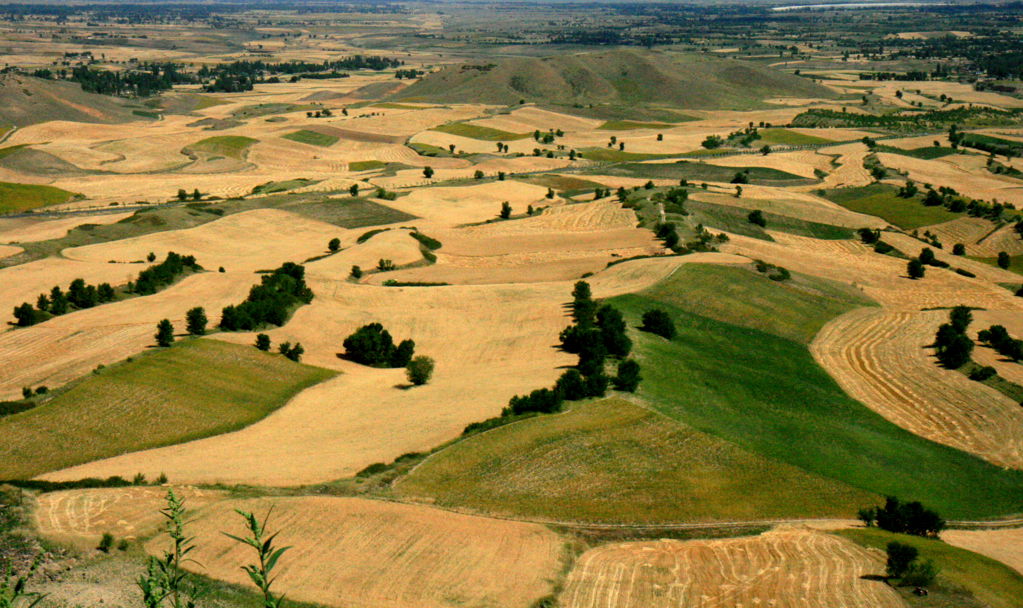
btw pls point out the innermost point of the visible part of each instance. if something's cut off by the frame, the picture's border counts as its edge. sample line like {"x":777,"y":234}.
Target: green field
{"x":790,"y":138}
{"x":614,"y":461}
{"x":4,"y":152}
{"x":1015,"y":262}
{"x":231,"y":146}
{"x":628,"y":125}
{"x":697,"y":171}
{"x":313,"y":138}
{"x":397,"y":106}
{"x":266,"y":109}
{"x":429,"y":150}
{"x":614,"y":155}
{"x":565,"y":184}
{"x":365,"y":165}
{"x":764,"y":392}
{"x":735,"y":220}
{"x":284,"y":185}
{"x":925,"y":153}
{"x":882,"y":200}
{"x":986,"y":580}
{"x":22,"y":197}
{"x":477,"y":132}
{"x":195,"y":389}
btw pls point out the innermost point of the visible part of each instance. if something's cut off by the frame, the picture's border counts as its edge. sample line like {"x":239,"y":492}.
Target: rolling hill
{"x":25,"y":100}
{"x":612,"y":77}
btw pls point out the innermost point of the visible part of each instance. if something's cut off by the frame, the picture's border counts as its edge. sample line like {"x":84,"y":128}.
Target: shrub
{"x":263,"y":342}
{"x":1004,"y":261}
{"x":156,"y":277}
{"x":419,"y":370}
{"x":106,"y":542}
{"x":164,"y":333}
{"x":958,"y":249}
{"x":373,"y":345}
{"x":908,"y":518}
{"x":915,"y":269}
{"x":628,"y":377}
{"x":334,"y":245}
{"x":757,"y":217}
{"x":356,"y":272}
{"x":919,"y":574}
{"x":270,"y":302}
{"x":658,"y":322}
{"x":196,"y":321}
{"x":983,"y":373}
{"x":900,"y":556}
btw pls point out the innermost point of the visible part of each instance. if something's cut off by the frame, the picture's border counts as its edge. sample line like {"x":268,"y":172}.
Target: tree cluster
{"x":157,"y":277}
{"x":373,"y":345}
{"x":902,"y":563}
{"x":953,"y":345}
{"x":903,"y":518}
{"x":998,"y":338}
{"x":270,"y":302}
{"x":78,"y":296}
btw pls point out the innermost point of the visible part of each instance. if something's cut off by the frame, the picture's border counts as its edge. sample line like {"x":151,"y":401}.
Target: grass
{"x":614,"y":155}
{"x":989,"y":581}
{"x":462,"y":129}
{"x":790,"y":138}
{"x":764,"y":392}
{"x":628,"y":125}
{"x":284,"y":185}
{"x":429,"y":150}
{"x":22,"y":197}
{"x":266,"y":109}
{"x":614,"y":461}
{"x":195,"y":389}
{"x":5,"y":152}
{"x":1001,"y":384}
{"x":699,"y":171}
{"x":366,"y":165}
{"x":1015,"y":262}
{"x":882,"y":200}
{"x":738,"y":295}
{"x":313,"y":138}
{"x":231,"y":146}
{"x":387,"y":105}
{"x":925,"y":153}
{"x":565,"y":184}
{"x":734,"y":219}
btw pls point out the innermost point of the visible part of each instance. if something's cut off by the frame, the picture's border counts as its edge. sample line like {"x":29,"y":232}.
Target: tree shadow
{"x":875,"y":577}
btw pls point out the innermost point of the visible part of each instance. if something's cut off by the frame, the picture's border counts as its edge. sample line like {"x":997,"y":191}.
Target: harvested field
{"x":247,"y":241}
{"x":788,"y":567}
{"x":28,"y":230}
{"x":23,"y":283}
{"x":969,"y":231}
{"x":9,"y":250}
{"x":880,"y":358}
{"x":83,"y":516}
{"x":355,"y":553}
{"x":849,"y":171}
{"x":942,"y":172}
{"x":336,"y":428}
{"x":1004,"y":545}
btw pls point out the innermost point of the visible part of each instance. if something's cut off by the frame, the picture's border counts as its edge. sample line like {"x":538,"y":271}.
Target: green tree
{"x":958,"y":249}
{"x":658,"y":322}
{"x":164,"y":333}
{"x":295,"y":352}
{"x":478,"y":174}
{"x":419,"y":370}
{"x":506,"y":211}
{"x":263,"y":342}
{"x":428,"y":172}
{"x":900,"y":556}
{"x":960,"y":317}
{"x":1004,"y":261}
{"x":353,"y":190}
{"x":356,"y":272}
{"x":196,"y":195}
{"x":403,"y":353}
{"x":334,"y":245}
{"x":196,"y":321}
{"x":628,"y":377}
{"x":926,"y":256}
{"x":25,"y":315}
{"x":757,"y":217}
{"x":915,"y":269}
{"x":182,"y":194}
{"x":550,"y":193}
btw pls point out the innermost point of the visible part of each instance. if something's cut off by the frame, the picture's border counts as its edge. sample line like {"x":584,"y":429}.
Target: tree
{"x":957,"y":352}
{"x":900,"y":556}
{"x":263,"y":342}
{"x":612,"y":328}
{"x":658,"y":322}
{"x":196,"y":195}
{"x":334,"y":245}
{"x":500,"y":176}
{"x":356,"y":272}
{"x":25,"y":315}
{"x":164,"y":333}
{"x":402,"y":355}
{"x":926,"y":256}
{"x":915,"y":269}
{"x":628,"y":377}
{"x":571,"y":386}
{"x":151,"y":257}
{"x":419,"y":370}
{"x":550,"y":193}
{"x":353,"y":190}
{"x":506,"y":211}
{"x":182,"y":194}
{"x":478,"y":174}
{"x":428,"y":172}
{"x":583,"y":307}
{"x":196,"y":321}
{"x":958,"y":249}
{"x":1004,"y":261}
{"x":920,"y":574}
{"x":712,"y":141}
{"x":960,"y":317}
{"x":757,"y":217}
{"x":295,"y":352}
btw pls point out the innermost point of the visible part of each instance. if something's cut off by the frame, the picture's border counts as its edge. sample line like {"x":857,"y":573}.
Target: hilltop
{"x":25,"y":100}
{"x":612,"y":77}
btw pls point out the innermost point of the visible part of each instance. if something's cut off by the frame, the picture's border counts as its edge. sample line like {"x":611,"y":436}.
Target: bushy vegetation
{"x":904,"y":518}
{"x":270,"y":302}
{"x":998,"y":338}
{"x":373,"y":345}
{"x":163,"y":274}
{"x":952,"y":344}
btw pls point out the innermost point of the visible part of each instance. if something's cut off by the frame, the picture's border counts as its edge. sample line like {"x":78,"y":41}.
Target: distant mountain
{"x":25,"y":100}
{"x":617,"y":77}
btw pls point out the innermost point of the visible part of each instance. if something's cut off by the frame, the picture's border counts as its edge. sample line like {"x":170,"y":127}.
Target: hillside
{"x":25,"y":100}
{"x":612,"y":77}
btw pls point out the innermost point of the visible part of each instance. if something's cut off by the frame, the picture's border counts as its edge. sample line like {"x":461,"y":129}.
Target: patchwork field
{"x":786,"y":567}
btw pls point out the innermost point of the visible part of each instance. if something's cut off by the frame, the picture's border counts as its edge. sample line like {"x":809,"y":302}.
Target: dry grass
{"x":789,"y":567}
{"x":368,"y":554}
{"x":1004,"y":545}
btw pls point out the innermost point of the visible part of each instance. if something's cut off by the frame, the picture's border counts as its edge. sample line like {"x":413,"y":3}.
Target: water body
{"x":797,"y":7}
